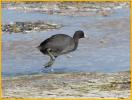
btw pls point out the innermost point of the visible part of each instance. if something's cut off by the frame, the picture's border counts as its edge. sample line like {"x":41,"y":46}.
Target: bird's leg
{"x":52,"y":59}
{"x":50,"y":63}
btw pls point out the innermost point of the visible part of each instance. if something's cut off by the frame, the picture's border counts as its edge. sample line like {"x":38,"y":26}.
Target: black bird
{"x":59,"y":44}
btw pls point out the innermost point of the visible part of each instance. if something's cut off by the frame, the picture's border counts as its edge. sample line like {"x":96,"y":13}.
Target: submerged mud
{"x":25,"y":27}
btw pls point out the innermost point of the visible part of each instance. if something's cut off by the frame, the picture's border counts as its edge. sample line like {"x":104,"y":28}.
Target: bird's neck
{"x":76,"y":43}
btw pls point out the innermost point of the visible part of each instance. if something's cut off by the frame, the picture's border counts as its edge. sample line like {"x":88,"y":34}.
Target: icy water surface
{"x":105,"y":50}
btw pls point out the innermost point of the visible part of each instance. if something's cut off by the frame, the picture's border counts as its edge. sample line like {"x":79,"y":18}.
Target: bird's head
{"x":79,"y":34}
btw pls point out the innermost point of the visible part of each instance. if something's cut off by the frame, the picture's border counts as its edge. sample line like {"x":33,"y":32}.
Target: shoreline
{"x":69,"y":85}
{"x":69,"y":8}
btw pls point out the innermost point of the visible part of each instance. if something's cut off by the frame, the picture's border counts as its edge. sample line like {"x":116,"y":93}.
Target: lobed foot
{"x":47,"y":70}
{"x":52,"y":70}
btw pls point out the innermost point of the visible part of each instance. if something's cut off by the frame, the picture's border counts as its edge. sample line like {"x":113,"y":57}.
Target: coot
{"x":59,"y":44}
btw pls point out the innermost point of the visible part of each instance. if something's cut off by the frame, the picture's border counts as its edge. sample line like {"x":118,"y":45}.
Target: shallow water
{"x":113,"y":54}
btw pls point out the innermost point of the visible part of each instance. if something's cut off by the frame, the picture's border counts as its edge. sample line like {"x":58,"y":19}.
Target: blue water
{"x":21,"y":57}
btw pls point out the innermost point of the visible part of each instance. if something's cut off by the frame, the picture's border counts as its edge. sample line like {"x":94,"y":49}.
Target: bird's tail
{"x":39,"y":47}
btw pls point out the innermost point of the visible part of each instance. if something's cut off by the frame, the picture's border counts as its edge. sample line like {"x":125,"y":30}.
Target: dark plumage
{"x":59,"y":44}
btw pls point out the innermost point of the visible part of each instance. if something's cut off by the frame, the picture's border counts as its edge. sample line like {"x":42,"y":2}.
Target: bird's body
{"x":59,"y":44}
